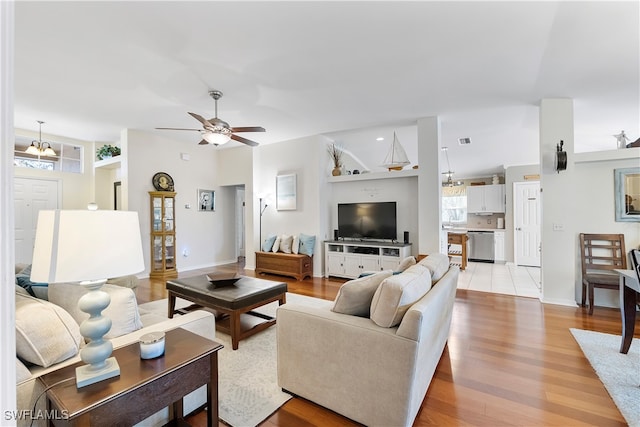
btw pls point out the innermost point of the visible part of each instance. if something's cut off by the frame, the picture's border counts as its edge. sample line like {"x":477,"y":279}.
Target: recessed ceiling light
{"x":379,"y":138}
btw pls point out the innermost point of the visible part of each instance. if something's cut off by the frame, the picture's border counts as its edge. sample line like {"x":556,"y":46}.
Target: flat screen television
{"x":375,"y":220}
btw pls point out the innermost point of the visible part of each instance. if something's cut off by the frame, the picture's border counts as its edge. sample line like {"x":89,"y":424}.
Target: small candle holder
{"x":152,"y":345}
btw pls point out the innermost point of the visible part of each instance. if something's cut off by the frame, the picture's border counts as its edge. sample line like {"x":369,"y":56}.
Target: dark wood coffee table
{"x":144,"y":386}
{"x":229,"y":302}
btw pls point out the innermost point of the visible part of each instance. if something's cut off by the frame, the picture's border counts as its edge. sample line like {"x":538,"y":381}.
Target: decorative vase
{"x":336,"y":171}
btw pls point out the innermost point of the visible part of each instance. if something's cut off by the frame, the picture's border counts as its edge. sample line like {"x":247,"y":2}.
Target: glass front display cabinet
{"x":163,"y":235}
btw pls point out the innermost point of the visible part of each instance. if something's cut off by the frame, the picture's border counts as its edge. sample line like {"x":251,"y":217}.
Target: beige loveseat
{"x":376,"y":375}
{"x":48,"y":338}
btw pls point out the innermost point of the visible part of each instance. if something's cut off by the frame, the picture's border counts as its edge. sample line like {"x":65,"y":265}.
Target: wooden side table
{"x":144,"y":386}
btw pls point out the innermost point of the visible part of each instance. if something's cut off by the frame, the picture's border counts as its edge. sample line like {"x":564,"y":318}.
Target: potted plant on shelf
{"x":107,"y":151}
{"x":335,"y":153}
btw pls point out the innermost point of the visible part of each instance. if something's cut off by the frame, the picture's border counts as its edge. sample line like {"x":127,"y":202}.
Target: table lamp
{"x":87,"y":247}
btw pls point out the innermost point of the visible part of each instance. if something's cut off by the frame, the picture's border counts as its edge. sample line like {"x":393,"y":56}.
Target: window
{"x":68,"y":157}
{"x":454,"y":205}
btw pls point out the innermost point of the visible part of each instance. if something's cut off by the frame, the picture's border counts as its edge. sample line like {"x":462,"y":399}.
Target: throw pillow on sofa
{"x":355,"y":296}
{"x":396,"y":294}
{"x":123,"y":309}
{"x":437,"y":263}
{"x":45,"y":333}
{"x":38,"y":290}
{"x":406,"y":263}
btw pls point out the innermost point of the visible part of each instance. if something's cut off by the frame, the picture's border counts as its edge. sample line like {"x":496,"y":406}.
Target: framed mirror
{"x":627,"y":194}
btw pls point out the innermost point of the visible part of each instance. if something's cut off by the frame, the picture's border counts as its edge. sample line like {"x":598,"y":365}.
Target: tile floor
{"x":501,"y":279}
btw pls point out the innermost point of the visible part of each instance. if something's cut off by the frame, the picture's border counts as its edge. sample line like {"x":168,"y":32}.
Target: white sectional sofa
{"x":372,"y":353}
{"x":48,"y":338}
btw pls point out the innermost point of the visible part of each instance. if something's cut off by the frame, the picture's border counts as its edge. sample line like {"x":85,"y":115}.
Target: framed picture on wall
{"x":206,"y":200}
{"x":286,"y":192}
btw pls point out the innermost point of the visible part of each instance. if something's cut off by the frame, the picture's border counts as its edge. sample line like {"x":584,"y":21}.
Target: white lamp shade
{"x":216,"y":138}
{"x":32,"y":149}
{"x":80,"y":245}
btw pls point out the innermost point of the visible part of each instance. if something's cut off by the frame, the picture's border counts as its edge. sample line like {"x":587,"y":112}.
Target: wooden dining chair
{"x":601,"y":255}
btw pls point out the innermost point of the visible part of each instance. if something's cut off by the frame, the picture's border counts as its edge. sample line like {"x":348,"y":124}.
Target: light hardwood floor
{"x":509,"y":361}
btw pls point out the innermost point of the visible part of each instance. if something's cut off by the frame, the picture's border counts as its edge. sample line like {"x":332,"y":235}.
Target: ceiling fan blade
{"x":200,"y":119}
{"x":197,"y":130}
{"x":244,"y":140}
{"x":248,"y":129}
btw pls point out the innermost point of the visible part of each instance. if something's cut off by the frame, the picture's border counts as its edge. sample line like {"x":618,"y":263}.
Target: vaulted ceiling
{"x":349,"y":70}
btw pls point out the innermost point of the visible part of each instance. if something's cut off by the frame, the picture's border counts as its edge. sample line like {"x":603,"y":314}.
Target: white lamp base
{"x":86,"y":375}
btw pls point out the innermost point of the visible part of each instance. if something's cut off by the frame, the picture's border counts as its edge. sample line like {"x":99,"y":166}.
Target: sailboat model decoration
{"x":396,"y":158}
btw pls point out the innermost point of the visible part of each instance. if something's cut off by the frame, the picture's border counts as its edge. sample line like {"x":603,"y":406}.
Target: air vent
{"x":464,"y":141}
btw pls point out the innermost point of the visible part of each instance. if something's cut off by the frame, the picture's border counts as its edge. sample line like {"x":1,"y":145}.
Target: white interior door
{"x":526,"y":240}
{"x":31,"y":196}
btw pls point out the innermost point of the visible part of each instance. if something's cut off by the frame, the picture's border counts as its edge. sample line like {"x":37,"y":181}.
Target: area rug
{"x":620,"y":373}
{"x":248,"y":391}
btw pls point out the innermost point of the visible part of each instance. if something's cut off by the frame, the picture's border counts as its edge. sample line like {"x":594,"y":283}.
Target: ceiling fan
{"x":217,"y":132}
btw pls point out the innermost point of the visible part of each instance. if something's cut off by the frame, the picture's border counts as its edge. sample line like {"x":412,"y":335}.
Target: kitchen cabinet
{"x":498,"y":241}
{"x":163,"y":235}
{"x":486,"y":199}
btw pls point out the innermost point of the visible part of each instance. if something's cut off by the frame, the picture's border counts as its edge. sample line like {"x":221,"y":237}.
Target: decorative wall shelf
{"x":374,"y":175}
{"x":111,"y":163}
{"x":603,"y":156}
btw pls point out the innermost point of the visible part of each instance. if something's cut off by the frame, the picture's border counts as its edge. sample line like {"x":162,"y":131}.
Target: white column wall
{"x":558,"y":203}
{"x":429,"y":186}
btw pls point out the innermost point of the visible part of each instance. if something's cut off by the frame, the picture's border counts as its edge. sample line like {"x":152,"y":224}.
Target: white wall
{"x":234,"y":167}
{"x":202,"y":234}
{"x":559,"y":195}
{"x":7,"y":209}
{"x":308,"y":159}
{"x":77,"y":188}
{"x":595,"y":205}
{"x":403,"y":191}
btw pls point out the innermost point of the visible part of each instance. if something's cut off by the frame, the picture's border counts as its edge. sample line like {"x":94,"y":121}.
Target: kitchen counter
{"x":464,"y":230}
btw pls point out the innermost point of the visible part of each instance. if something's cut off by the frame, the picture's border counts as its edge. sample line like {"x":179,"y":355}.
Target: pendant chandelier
{"x":39,"y":148}
{"x":449,"y":173}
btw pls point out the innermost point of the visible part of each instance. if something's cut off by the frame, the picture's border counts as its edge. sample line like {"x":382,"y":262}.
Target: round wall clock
{"x":561,"y":158}
{"x":162,"y":182}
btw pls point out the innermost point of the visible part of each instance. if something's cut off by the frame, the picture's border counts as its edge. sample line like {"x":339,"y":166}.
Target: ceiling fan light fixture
{"x":216,"y":138}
